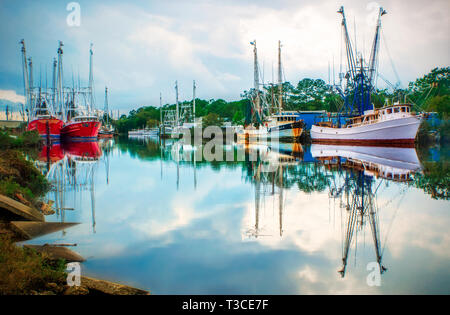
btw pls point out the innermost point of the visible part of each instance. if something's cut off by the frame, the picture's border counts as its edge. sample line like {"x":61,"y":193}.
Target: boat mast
{"x":160,"y":108}
{"x":106,"y":105}
{"x":280,"y":83}
{"x":60,"y":93}
{"x":30,"y":84}
{"x":55,"y":64}
{"x":256,"y":79}
{"x":350,"y":57}
{"x":176,"y":101}
{"x":193,"y":101}
{"x":375,"y":48}
{"x":25,"y":77}
{"x":91,"y":81}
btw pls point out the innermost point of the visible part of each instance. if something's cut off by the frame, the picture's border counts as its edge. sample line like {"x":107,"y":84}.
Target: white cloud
{"x":142,"y":48}
{"x":12,"y":96}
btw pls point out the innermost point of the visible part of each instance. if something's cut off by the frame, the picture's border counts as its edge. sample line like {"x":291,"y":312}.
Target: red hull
{"x":51,"y":154}
{"x":89,"y":149}
{"x":83,"y":130}
{"x":46,"y":126}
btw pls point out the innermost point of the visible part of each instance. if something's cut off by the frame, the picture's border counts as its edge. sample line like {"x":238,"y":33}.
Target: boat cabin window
{"x":403,"y":109}
{"x":396,"y":110}
{"x":389,"y":110}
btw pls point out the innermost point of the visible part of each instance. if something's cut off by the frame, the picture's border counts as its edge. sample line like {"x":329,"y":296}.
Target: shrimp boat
{"x":39,"y":103}
{"x":47,"y":125}
{"x":393,"y":124}
{"x":390,"y":125}
{"x":272,"y":121}
{"x":81,"y":128}
{"x":106,"y":132}
{"x":285,"y":124}
{"x":81,"y":124}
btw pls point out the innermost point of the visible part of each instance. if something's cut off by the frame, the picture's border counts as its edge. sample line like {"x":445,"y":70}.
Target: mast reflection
{"x":357,"y":169}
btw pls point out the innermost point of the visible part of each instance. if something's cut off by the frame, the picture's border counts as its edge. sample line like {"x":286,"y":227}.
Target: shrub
{"x":24,"y":271}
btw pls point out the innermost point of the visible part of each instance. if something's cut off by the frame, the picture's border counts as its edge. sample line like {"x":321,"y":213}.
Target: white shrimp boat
{"x":285,"y":124}
{"x":390,"y":125}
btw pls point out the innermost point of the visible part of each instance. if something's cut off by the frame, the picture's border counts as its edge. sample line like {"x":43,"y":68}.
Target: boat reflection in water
{"x":49,"y":155}
{"x":71,"y":174}
{"x":301,"y":212}
{"x":357,"y":169}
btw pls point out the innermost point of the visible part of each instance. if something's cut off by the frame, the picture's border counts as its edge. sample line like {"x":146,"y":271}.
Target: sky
{"x":142,"y":47}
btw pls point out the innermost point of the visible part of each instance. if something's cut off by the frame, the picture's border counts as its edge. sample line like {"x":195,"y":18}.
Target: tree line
{"x":429,"y":93}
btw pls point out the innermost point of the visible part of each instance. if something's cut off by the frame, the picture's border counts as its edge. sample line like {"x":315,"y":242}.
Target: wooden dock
{"x":28,"y":230}
{"x":10,"y":207}
{"x":57,"y":252}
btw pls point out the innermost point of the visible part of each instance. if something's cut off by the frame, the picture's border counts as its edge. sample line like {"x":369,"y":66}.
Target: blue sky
{"x":142,"y":47}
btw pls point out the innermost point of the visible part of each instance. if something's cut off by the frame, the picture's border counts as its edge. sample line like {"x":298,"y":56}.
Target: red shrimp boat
{"x":47,"y":125}
{"x":81,"y":128}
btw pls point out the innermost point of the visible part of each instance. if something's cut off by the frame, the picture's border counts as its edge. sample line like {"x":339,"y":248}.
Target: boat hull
{"x":84,"y":130}
{"x":107,"y":134}
{"x":394,"y":132}
{"x":46,"y":127}
{"x":290,"y":130}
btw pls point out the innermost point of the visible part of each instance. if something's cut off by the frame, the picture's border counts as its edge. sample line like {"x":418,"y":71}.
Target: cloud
{"x":11,"y":96}
{"x":141,"y":48}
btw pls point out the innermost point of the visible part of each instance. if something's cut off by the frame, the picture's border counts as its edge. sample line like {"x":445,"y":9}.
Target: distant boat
{"x":144,"y":132}
{"x":106,"y":132}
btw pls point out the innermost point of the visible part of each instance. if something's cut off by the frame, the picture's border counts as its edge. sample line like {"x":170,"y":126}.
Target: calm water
{"x":281,"y":220}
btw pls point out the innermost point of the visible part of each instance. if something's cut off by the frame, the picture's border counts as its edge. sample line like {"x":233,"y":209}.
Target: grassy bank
{"x":23,"y":140}
{"x":20,"y":179}
{"x":24,"y":271}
